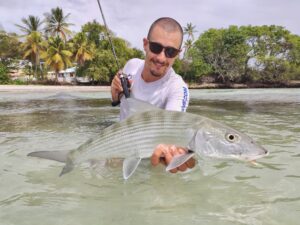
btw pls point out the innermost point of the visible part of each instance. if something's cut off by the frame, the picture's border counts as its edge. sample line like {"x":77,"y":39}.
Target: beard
{"x":158,"y":72}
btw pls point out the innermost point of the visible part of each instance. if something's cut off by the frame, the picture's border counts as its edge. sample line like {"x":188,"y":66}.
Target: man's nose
{"x":162,"y":55}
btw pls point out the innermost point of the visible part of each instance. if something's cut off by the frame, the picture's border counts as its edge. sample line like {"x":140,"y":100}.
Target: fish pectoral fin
{"x":129,"y":166}
{"x":179,"y":160}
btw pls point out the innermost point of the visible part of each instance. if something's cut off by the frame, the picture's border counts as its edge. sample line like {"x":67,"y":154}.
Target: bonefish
{"x":146,"y":126}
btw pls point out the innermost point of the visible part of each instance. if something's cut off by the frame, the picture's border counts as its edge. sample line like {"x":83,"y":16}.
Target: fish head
{"x":220,"y":141}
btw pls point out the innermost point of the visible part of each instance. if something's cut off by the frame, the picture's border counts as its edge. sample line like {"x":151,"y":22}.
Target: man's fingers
{"x":117,"y":84}
{"x":188,"y":164}
{"x":191,"y":163}
{"x":116,"y":88}
{"x":157,"y":155}
{"x":179,"y":151}
{"x":165,"y":153}
{"x":130,"y":82}
{"x":182,"y":167}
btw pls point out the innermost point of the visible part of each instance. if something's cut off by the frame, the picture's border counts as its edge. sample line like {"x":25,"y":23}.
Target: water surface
{"x":215,"y":192}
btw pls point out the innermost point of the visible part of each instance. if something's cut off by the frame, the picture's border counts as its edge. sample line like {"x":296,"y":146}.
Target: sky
{"x":131,"y":19}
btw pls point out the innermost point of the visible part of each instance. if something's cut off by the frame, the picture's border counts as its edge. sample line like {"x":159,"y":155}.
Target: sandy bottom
{"x":43,"y":88}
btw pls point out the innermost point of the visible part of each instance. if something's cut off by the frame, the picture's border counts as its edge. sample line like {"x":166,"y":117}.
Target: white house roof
{"x":68,"y":70}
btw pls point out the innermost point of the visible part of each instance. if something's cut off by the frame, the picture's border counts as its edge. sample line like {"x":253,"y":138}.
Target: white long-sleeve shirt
{"x":170,"y":92}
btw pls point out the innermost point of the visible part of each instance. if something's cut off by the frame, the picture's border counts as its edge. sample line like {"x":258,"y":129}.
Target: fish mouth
{"x":265,"y":153}
{"x":254,"y":157}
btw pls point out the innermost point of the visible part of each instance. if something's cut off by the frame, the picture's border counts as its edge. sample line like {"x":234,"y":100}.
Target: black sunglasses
{"x":157,"y":48}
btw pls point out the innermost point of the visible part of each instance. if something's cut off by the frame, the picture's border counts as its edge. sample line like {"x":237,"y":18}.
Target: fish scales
{"x":127,"y":135}
{"x":139,"y":135}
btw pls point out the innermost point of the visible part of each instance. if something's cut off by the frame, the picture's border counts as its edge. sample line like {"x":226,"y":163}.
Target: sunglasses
{"x":157,"y":48}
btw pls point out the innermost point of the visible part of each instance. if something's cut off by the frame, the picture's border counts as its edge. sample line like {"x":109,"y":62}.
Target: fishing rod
{"x":123,"y":77}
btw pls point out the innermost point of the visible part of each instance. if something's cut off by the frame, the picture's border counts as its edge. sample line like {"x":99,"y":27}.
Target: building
{"x":68,"y":75}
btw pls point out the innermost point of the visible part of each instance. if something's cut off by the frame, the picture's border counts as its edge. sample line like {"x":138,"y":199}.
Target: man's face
{"x":158,"y":64}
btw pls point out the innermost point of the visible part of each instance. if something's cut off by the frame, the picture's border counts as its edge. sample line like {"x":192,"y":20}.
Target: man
{"x":153,"y":80}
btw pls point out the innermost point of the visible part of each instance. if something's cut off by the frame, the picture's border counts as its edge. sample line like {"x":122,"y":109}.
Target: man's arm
{"x":178,"y":100}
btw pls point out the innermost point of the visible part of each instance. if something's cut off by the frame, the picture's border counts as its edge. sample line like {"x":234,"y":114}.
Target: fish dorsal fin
{"x":130,"y":106}
{"x":129,"y":166}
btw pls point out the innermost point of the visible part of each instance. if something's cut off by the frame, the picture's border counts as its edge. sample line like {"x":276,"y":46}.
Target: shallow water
{"x":216,"y":192}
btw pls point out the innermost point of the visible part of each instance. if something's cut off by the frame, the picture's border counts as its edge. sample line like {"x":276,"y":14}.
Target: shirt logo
{"x":185,"y":99}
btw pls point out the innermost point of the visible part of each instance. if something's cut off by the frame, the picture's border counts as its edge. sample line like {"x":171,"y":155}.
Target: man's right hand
{"x":116,"y":87}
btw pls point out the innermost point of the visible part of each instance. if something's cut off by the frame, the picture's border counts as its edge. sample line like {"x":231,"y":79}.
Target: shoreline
{"x":291,"y":84}
{"x":52,"y":88}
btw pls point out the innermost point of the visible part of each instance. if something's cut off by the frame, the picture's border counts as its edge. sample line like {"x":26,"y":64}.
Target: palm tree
{"x":31,"y":24}
{"x":83,"y":50}
{"x":32,"y":48}
{"x":186,"y":62}
{"x":56,"y":23}
{"x":189,"y":30}
{"x":57,"y":55}
{"x":33,"y":44}
{"x":187,"y":45}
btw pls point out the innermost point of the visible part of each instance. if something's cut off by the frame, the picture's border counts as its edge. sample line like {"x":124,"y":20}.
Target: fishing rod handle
{"x":124,"y":83}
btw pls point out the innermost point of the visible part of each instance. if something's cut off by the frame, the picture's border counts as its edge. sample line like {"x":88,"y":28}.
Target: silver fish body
{"x":140,"y":134}
{"x":136,"y":137}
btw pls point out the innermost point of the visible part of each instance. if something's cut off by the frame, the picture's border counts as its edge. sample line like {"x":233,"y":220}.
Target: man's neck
{"x":148,"y":77}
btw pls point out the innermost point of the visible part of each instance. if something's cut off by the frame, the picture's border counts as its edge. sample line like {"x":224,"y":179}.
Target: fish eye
{"x":232,"y":137}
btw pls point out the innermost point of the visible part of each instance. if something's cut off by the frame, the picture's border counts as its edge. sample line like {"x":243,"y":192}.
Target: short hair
{"x":168,"y":24}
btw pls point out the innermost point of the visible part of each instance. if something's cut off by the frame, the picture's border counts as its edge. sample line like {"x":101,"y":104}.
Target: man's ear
{"x":145,"y":43}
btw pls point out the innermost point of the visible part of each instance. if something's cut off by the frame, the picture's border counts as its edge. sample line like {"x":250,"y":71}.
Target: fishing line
{"x":123,"y":77}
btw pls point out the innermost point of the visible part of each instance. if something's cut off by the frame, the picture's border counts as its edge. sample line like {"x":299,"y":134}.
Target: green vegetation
{"x":9,"y":46}
{"x":267,"y":54}
{"x":246,"y":54}
{"x":57,"y":56}
{"x":4,"y":78}
{"x":49,"y":44}
{"x":95,"y":46}
{"x":32,"y":47}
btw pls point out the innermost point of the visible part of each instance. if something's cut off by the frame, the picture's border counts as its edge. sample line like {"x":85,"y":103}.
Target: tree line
{"x":49,"y":44}
{"x":242,"y":54}
{"x":245,"y":54}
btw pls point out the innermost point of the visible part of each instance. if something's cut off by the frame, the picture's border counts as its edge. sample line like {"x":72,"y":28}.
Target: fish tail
{"x":60,"y":156}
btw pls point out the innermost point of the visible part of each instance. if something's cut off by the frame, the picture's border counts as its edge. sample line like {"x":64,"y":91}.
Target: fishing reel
{"x":125,"y":85}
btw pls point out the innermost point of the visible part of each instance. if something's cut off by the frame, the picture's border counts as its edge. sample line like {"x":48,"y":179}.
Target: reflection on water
{"x":216,"y":192}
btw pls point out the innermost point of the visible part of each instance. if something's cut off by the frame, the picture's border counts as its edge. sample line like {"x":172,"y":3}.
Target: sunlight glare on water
{"x":216,"y":192}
